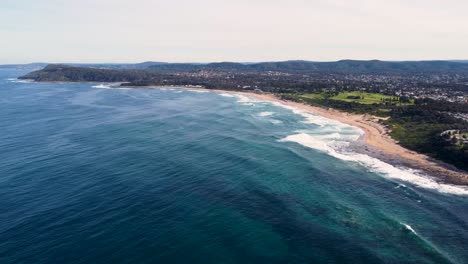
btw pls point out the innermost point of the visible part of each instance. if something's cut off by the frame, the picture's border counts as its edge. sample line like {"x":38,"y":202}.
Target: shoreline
{"x":380,"y":144}
{"x":377,"y":142}
{"x":376,"y":139}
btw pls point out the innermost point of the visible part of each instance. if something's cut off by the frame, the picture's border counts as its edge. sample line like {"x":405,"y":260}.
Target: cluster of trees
{"x":441,"y":106}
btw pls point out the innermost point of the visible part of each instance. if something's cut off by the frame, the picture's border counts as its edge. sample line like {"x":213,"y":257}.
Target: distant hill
{"x":59,"y":72}
{"x":297,"y":66}
{"x":123,"y":66}
{"x":343,"y":66}
{"x":143,"y":72}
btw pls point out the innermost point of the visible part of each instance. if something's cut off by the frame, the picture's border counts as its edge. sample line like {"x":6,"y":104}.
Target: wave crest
{"x":264,"y":114}
{"x":331,"y":145}
{"x":102,"y":86}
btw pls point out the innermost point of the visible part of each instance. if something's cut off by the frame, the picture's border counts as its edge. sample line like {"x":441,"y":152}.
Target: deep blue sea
{"x":96,"y":175}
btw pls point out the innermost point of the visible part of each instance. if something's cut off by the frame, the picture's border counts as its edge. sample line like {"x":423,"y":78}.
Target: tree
{"x":454,"y":140}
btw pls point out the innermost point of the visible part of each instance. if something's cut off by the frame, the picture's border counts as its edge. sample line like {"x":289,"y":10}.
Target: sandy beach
{"x":376,"y":138}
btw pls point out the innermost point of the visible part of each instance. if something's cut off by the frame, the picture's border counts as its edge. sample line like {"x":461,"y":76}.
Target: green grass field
{"x":314,"y":96}
{"x":364,"y":98}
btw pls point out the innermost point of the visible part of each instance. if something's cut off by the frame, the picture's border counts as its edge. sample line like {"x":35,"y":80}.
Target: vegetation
{"x":343,"y":66}
{"x":420,"y":130}
{"x":359,"y":97}
{"x":341,"y":102}
{"x":69,"y":73}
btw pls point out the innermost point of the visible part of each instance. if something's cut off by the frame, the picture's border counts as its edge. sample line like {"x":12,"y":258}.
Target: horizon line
{"x":241,"y":62}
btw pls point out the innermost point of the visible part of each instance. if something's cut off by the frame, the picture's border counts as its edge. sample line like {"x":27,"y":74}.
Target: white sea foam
{"x":14,"y":80}
{"x":246,"y":100}
{"x":400,"y":185}
{"x":226,"y":95}
{"x":274,"y":121}
{"x":102,"y":86}
{"x":335,"y":145}
{"x":263,"y":114}
{"x":198,"y":91}
{"x":110,"y":86}
{"x":408,"y":227}
{"x":321,"y":121}
{"x":168,"y":89}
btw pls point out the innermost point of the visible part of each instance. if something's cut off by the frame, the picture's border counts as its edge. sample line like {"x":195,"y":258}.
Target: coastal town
{"x":451,"y":86}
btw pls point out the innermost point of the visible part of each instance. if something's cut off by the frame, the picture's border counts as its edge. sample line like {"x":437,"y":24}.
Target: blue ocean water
{"x":93,"y":175}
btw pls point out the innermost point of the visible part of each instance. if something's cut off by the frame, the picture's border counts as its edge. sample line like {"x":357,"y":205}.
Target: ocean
{"x":94,"y":174}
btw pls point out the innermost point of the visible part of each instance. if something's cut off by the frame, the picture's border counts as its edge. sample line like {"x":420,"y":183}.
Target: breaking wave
{"x":335,"y":146}
{"x":102,"y":86}
{"x":263,"y":114}
{"x":14,"y":80}
{"x":276,"y":122}
{"x":246,"y":100}
{"x":319,"y":120}
{"x":337,"y":141}
{"x":409,"y":228}
{"x":198,"y":91}
{"x":110,"y":86}
{"x":226,"y":95}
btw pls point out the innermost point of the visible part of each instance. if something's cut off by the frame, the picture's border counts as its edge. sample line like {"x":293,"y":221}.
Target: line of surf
{"x":335,"y":145}
{"x":338,"y":150}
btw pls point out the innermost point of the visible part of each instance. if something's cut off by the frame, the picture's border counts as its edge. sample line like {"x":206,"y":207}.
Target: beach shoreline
{"x":376,"y":138}
{"x":379,"y":142}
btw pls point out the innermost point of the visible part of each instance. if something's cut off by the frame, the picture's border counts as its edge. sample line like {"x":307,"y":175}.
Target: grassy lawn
{"x":366,"y":98}
{"x":361,"y":97}
{"x":320,"y":96}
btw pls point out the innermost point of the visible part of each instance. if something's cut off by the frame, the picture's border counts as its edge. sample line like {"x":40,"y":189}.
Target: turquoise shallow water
{"x":92,"y":175}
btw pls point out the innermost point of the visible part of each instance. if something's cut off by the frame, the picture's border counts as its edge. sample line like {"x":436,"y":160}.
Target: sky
{"x":231,"y":30}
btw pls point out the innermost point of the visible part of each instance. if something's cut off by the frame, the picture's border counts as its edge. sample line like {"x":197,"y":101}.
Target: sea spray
{"x":264,"y":114}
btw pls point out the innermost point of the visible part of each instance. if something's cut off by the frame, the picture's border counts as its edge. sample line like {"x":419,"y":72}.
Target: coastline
{"x":380,"y":143}
{"x":377,"y":141}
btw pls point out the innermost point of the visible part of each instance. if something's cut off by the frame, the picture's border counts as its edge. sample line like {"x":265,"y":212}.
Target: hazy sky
{"x":237,"y":30}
